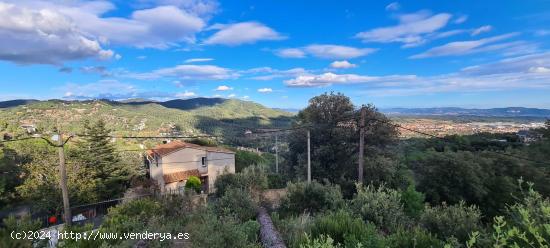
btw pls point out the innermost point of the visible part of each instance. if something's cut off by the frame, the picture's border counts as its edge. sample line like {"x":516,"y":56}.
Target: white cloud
{"x":482,"y":29}
{"x":411,"y":29}
{"x":141,"y":57}
{"x":337,"y":52}
{"x":245,"y":97}
{"x":242,"y":33}
{"x":523,"y":72}
{"x":539,"y":69}
{"x":231,"y":95}
{"x":186,"y":94}
{"x":108,"y":89}
{"x":464,"y":47}
{"x":161,"y":26}
{"x":393,"y":6}
{"x":344,"y":64}
{"x":45,"y":36}
{"x":268,"y":73}
{"x":461,"y":19}
{"x":265,"y":90}
{"x":194,"y":60}
{"x":534,"y":63}
{"x":223,"y":88}
{"x":290,"y":53}
{"x":187,"y":72}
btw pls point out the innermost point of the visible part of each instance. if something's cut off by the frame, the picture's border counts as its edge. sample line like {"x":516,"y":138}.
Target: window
{"x":203,"y":161}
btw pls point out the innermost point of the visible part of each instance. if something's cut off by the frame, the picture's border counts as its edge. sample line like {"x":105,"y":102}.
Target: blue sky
{"x":279,"y":53}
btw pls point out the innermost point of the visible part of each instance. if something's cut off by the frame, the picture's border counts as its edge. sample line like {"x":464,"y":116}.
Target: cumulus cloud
{"x":265,"y":90}
{"x":290,"y":53}
{"x":44,"y":36}
{"x":187,"y":72}
{"x":344,"y":64}
{"x":482,"y":29}
{"x":159,"y":26}
{"x":242,"y":33}
{"x":464,"y":47}
{"x":393,"y":6}
{"x":194,"y":60}
{"x":523,"y":72}
{"x":223,"y":88}
{"x":411,"y":29}
{"x":231,"y":95}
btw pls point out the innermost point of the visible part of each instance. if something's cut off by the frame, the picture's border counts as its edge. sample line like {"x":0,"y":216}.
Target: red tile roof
{"x":180,"y":176}
{"x":165,"y":149}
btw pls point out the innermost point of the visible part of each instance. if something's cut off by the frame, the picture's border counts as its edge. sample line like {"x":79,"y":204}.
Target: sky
{"x":432,"y":53}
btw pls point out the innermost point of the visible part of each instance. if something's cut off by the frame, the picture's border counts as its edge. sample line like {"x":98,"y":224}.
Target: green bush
{"x":310,"y":197}
{"x":130,"y":217}
{"x":526,"y":224}
{"x":381,"y":205}
{"x":451,"y":221}
{"x":237,"y":202}
{"x":346,"y":229}
{"x":24,"y":224}
{"x":276,"y":181}
{"x":210,"y":231}
{"x":252,"y":179}
{"x":193,"y":183}
{"x":412,"y":238}
{"x":413,"y":201}
{"x":324,"y":241}
{"x":293,"y":229}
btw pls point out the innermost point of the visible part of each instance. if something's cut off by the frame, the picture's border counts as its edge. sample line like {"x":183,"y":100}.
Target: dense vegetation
{"x":483,"y":190}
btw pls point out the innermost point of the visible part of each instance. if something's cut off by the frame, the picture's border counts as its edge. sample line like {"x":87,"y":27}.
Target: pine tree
{"x":97,"y":153}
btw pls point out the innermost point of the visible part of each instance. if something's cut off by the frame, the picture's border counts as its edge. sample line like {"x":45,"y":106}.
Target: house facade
{"x":171,"y":164}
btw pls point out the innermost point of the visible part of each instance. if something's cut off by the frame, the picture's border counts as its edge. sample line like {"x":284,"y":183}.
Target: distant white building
{"x":171,"y":164}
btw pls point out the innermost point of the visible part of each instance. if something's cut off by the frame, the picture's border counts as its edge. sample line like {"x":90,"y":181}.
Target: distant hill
{"x":229,"y":117}
{"x":451,"y":111}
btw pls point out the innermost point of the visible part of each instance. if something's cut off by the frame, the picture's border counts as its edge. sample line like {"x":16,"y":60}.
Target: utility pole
{"x":276,"y":153}
{"x":308,"y":157}
{"x":361,"y":144}
{"x":63,"y":181}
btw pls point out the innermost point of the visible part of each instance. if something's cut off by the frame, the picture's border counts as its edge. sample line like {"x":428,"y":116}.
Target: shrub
{"x":380,"y":205}
{"x":24,"y":224}
{"x":526,"y":224}
{"x":276,"y":181}
{"x":252,"y":179}
{"x":130,"y":217}
{"x":411,"y":238}
{"x":324,"y":241}
{"x":208,"y":230}
{"x":238,"y":203}
{"x":293,"y":229}
{"x":310,"y":197}
{"x":346,"y":229}
{"x":193,"y":183}
{"x":413,"y":201}
{"x":451,"y":221}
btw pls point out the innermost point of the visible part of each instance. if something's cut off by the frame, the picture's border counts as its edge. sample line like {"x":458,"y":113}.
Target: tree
{"x":333,"y":121}
{"x":96,"y":153}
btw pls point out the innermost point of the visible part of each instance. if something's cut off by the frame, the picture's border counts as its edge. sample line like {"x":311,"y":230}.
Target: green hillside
{"x":140,"y":117}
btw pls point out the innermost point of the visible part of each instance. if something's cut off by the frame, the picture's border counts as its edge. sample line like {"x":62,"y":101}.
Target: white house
{"x":171,"y":164}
